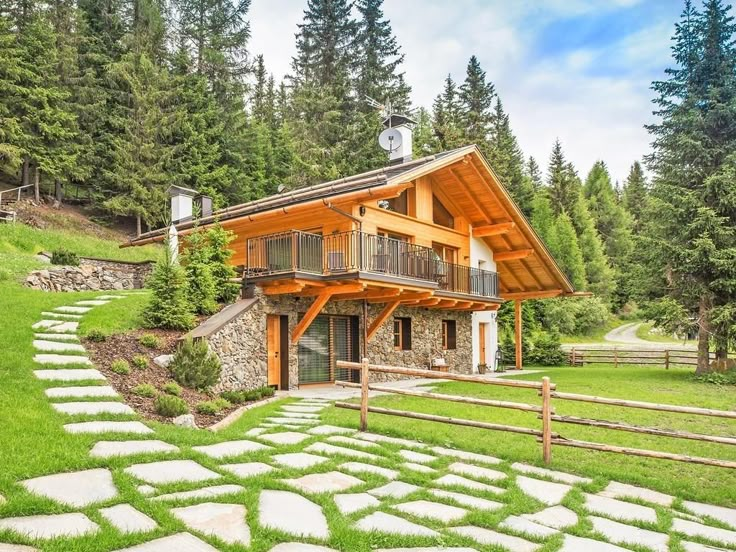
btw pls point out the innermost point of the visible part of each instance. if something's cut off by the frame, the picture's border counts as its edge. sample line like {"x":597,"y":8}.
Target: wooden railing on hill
{"x":545,"y":412}
{"x":616,"y":356}
{"x":8,"y":198}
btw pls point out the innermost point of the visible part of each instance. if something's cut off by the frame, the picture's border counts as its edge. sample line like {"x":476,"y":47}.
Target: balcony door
{"x":328,"y":340}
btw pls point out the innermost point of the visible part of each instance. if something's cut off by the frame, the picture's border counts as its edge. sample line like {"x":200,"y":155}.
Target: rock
{"x":223,"y":521}
{"x":77,"y":489}
{"x":163,"y":360}
{"x":186,"y":420}
{"x":127,"y":519}
{"x":293,"y":514}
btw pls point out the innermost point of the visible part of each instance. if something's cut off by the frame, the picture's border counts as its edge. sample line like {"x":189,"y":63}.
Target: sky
{"x":577,"y":70}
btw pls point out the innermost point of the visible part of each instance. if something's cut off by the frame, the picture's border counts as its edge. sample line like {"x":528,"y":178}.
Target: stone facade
{"x":241,"y":342}
{"x":91,"y":275}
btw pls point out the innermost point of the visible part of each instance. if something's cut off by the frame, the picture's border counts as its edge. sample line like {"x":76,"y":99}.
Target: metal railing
{"x":13,"y":195}
{"x":356,"y":251}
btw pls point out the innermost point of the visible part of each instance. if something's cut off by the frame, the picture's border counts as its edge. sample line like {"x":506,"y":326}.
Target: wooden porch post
{"x":517,"y":331}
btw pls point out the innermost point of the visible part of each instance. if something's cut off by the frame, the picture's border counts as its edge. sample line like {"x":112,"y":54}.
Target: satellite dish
{"x":390,"y":139}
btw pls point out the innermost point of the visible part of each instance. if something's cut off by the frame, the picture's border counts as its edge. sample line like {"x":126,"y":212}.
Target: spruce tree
{"x":476,"y":97}
{"x":446,"y":123}
{"x":563,"y":184}
{"x":566,"y":251}
{"x":11,"y":130}
{"x":635,"y":194}
{"x":169,"y":306}
{"x":532,"y":171}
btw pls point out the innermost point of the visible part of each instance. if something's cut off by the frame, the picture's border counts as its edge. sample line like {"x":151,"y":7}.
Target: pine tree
{"x":11,"y":131}
{"x":476,"y":100}
{"x":534,"y":174}
{"x":635,"y":194}
{"x":563,"y":184}
{"x":198,"y":269}
{"x":566,"y":250}
{"x":601,"y":278}
{"x":446,"y":123}
{"x":169,"y":306}
{"x":543,"y":217}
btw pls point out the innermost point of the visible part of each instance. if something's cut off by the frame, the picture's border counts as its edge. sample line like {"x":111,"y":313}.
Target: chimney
{"x":181,"y":203}
{"x":204,"y":205}
{"x":402,"y":125}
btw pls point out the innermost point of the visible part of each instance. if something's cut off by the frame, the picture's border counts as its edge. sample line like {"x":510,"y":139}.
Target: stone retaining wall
{"x":240,"y":341}
{"x":91,"y":275}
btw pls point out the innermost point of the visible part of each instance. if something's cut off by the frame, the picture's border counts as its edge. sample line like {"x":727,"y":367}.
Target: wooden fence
{"x":545,"y":411}
{"x":616,"y":356}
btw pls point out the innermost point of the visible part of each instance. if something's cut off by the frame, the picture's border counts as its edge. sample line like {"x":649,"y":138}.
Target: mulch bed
{"x":126,"y":346}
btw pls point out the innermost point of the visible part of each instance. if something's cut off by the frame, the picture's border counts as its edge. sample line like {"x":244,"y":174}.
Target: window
{"x":397,"y":204}
{"x":445,"y":252}
{"x":440,"y":214}
{"x":449,"y":335}
{"x":402,"y":334}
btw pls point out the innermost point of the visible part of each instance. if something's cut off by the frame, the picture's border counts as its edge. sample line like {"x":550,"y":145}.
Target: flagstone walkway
{"x":302,"y":470}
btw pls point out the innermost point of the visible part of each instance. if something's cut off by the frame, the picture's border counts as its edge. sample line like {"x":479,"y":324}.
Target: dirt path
{"x":625,"y":337}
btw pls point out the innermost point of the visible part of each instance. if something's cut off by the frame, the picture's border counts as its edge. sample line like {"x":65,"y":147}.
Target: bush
{"x":170,"y":406}
{"x":222,"y":271}
{"x":194,"y":365}
{"x":575,"y":316}
{"x":267,"y":391}
{"x":234,"y":397}
{"x":546,"y":350}
{"x":120,"y":366}
{"x":169,"y":306}
{"x":717,"y":378}
{"x":172,"y":388}
{"x":97,"y":336}
{"x":140,"y":362}
{"x":213,"y":407}
{"x":150,"y":341}
{"x":64,"y":257}
{"x":144,"y":390}
{"x":196,"y":262}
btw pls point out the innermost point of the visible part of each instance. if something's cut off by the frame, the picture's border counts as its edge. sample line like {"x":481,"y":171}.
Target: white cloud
{"x":572,"y":95}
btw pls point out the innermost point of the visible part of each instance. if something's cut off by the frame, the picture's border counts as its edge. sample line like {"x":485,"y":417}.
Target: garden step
{"x":206,"y":492}
{"x":331,"y":450}
{"x":625,"y":511}
{"x":517,"y":524}
{"x":16,"y":548}
{"x":248,"y":469}
{"x":57,"y":337}
{"x":693,"y":529}
{"x":171,"y":471}
{"x":109,"y":449}
{"x":223,"y":521}
{"x":452,"y":480}
{"x":486,"y":536}
{"x":556,"y":517}
{"x":127,"y":519}
{"x":395,"y":489}
{"x":377,"y":438}
{"x":360,"y":467}
{"x":91,"y":303}
{"x":622,"y":490}
{"x":50,"y":526}
{"x":94,"y":391}
{"x":61,"y":316}
{"x":69,"y":375}
{"x":92,"y":408}
{"x":545,"y":492}
{"x":329,"y":430}
{"x":351,"y":503}
{"x":620,"y":533}
{"x":56,"y":346}
{"x":417,"y":457}
{"x":464,"y":455}
{"x":72,"y":310}
{"x":724,"y":515}
{"x":468,"y":500}
{"x":108,"y":427}
{"x":432,"y":510}
{"x":61,"y":360}
{"x":285,"y":438}
{"x":579,"y":544}
{"x":77,"y":489}
{"x":299,"y":460}
{"x":306,"y":409}
{"x":562,"y":477}
{"x":476,"y":472}
{"x":292,"y":514}
{"x":56,"y":326}
{"x":343,"y":440}
{"x":421,"y":468}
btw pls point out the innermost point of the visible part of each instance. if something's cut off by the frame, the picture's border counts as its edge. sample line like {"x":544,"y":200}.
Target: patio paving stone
{"x":376,"y":438}
{"x":341,"y":439}
{"x":57,"y":346}
{"x":299,"y":460}
{"x":301,"y":408}
{"x":557,"y":517}
{"x":580,"y":544}
{"x":395,"y":489}
{"x":146,"y":490}
{"x":77,"y":489}
{"x":724,"y":515}
{"x":620,"y":533}
{"x":57,"y":337}
{"x":69,"y":375}
{"x":127,"y":519}
{"x":693,"y":529}
{"x":486,"y":536}
{"x":329,"y":430}
{"x":293,"y":514}
{"x":300,"y":547}
{"x":330,"y":450}
{"x":181,"y":542}
{"x":92,"y":303}
{"x":61,"y":360}
{"x":464,"y":455}
{"x":360,"y":467}
{"x":545,"y":492}
{"x":351,"y":503}
{"x":92,"y":408}
{"x":476,"y":471}
{"x":285,"y":438}
{"x":72,"y":310}
{"x":330,"y":482}
{"x":57,"y":326}
{"x":416,"y":457}
{"x":205,"y":492}
{"x":622,"y":490}
{"x":432,"y":510}
{"x":421,"y":468}
{"x":61,"y":315}
{"x":452,"y":480}
{"x":230,"y":448}
{"x":386,"y":523}
{"x":697,"y":547}
{"x":50,"y":526}
{"x":97,"y":391}
{"x":256,"y":431}
{"x":171,"y":471}
{"x":16,"y":548}
{"x":248,"y":469}
{"x":298,"y":415}
{"x":108,"y":449}
{"x":108,"y":427}
{"x":223,"y":521}
{"x":562,"y":477}
{"x":292,"y":421}
{"x":624,"y":511}
{"x":468,"y":500}
{"x":519,"y":524}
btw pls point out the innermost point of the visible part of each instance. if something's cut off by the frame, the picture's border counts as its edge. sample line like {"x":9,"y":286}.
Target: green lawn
{"x":645,"y":332}
{"x":710,"y":484}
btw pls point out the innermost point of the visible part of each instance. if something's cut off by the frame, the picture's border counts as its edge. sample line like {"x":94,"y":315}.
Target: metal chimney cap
{"x":180,"y":191}
{"x":395,"y":119}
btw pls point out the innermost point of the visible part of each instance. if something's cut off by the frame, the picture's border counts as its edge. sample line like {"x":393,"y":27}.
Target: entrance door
{"x":273,"y":344}
{"x":482,"y":333}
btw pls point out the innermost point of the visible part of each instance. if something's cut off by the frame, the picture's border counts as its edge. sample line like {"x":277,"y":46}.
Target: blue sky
{"x":579,"y":70}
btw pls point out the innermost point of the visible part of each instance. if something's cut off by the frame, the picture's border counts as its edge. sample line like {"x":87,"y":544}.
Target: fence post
{"x":615,"y":358}
{"x":364,"y":395}
{"x":546,"y":421}
{"x":574,"y":360}
{"x":666,"y":359}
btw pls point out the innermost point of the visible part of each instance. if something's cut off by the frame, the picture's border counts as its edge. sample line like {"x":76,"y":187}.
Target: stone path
{"x":292,"y":471}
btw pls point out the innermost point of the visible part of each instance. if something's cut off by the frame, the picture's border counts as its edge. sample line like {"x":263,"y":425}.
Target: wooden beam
{"x":429,"y":302}
{"x":464,"y":187}
{"x":408,"y":297}
{"x":387,"y":311}
{"x":333,"y":290}
{"x":517,"y":332}
{"x":545,"y":294}
{"x":375,"y":294}
{"x":309,"y":316}
{"x":493,"y":229}
{"x":280,"y":289}
{"x":513,"y":255}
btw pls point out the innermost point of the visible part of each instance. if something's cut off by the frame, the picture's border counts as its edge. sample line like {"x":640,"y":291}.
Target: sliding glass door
{"x":327,"y":340}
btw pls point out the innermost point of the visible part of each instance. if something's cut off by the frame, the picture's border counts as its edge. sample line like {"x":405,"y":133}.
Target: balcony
{"x":357,"y":255}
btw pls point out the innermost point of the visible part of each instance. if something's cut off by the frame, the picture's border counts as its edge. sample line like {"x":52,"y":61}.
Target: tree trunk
{"x":36,"y":179}
{"x":703,"y":336}
{"x":59,"y":193}
{"x":138,"y":225}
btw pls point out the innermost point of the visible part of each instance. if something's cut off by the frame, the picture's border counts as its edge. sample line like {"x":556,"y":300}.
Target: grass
{"x":645,"y":331}
{"x":688,"y":481}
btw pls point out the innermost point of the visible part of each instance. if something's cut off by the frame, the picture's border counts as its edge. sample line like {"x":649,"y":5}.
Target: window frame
{"x":402,"y":333}
{"x":449,"y":335}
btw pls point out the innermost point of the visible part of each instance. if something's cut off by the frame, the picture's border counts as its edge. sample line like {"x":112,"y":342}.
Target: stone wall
{"x":240,"y":342}
{"x":91,"y":275}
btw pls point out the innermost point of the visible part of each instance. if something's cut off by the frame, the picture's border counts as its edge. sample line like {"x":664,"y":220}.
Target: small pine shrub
{"x":144,"y":390}
{"x":169,"y":306}
{"x":64,"y":257}
{"x":120,"y":366}
{"x":98,"y":336}
{"x":170,"y":406}
{"x":194,"y":365}
{"x":267,"y":392}
{"x":172,"y":388}
{"x":140,"y":362}
{"x":149,"y":340}
{"x":222,"y":271}
{"x":233,"y":397}
{"x":196,"y":262}
{"x":213,"y":407}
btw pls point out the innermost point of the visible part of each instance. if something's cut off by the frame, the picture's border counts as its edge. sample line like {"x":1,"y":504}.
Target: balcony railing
{"x":349,"y":252}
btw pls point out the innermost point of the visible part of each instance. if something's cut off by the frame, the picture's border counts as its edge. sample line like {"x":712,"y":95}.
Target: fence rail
{"x":546,"y":414}
{"x":644,"y":357}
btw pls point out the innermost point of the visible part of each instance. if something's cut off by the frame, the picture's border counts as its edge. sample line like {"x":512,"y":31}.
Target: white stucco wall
{"x":479,"y":251}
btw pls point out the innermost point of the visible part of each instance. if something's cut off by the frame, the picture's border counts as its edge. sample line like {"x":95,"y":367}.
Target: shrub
{"x":150,"y":341}
{"x":194,"y":365}
{"x":144,"y":390}
{"x":64,"y":257}
{"x":140,"y":362}
{"x":170,"y":406}
{"x":172,"y":388}
{"x":234,"y":397}
{"x":169,"y":306}
{"x":97,"y":336}
{"x":546,"y":350}
{"x":120,"y":366}
{"x":213,"y":407}
{"x":196,"y":262}
{"x":575,"y":316}
{"x":717,"y":378}
{"x":222,"y":271}
{"x":267,"y":391}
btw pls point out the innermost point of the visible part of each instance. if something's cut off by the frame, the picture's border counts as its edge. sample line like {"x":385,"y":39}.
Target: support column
{"x":517,"y":332}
